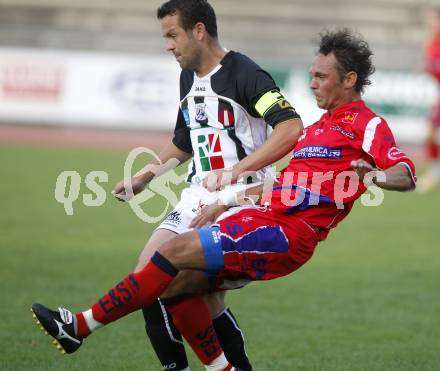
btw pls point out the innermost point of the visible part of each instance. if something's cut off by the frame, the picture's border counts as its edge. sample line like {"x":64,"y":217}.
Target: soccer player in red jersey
{"x":228,"y":117}
{"x":432,"y":66}
{"x":332,"y":164}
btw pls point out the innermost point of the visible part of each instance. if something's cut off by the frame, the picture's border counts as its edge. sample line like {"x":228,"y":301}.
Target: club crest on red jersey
{"x":350,"y":117}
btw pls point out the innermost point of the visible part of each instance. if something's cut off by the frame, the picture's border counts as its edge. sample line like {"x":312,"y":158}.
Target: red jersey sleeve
{"x":378,"y":142}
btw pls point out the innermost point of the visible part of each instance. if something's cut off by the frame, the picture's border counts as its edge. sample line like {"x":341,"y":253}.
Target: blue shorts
{"x":253,"y":245}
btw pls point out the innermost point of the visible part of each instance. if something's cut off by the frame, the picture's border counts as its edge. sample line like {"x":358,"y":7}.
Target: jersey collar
{"x":215,"y":69}
{"x":346,"y":107}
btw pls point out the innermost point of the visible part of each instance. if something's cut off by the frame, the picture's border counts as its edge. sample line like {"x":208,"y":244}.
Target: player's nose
{"x":170,"y":45}
{"x":313,"y":84}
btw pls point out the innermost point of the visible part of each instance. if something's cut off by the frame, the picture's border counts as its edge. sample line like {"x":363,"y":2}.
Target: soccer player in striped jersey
{"x":231,"y":116}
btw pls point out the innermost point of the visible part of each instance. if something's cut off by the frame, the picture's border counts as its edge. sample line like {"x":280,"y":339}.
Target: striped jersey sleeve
{"x":379,"y":143}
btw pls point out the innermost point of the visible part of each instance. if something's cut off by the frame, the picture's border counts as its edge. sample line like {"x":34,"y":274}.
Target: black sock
{"x":231,"y":340}
{"x":164,"y":337}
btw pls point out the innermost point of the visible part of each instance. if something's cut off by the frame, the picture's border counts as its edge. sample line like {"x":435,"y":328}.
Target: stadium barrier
{"x":86,"y":89}
{"x":138,"y":91}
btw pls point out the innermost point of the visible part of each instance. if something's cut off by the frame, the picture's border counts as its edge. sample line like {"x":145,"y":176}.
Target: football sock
{"x":231,"y":340}
{"x":220,"y":364}
{"x":164,"y":337}
{"x":193,"y":319}
{"x":132,"y":293}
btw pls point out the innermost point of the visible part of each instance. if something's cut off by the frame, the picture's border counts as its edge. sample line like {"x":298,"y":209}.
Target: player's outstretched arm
{"x":170,"y":157}
{"x":280,"y":143}
{"x":395,"y":178}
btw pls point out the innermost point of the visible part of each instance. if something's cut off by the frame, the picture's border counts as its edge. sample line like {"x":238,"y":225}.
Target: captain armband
{"x":272,"y":101}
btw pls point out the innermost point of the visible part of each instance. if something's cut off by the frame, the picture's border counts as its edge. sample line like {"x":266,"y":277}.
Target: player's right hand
{"x":127,"y":188}
{"x":218,"y":179}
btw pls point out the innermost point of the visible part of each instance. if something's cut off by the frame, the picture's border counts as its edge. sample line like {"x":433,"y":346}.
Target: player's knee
{"x":144,"y":257}
{"x":187,"y":282}
{"x":170,"y":249}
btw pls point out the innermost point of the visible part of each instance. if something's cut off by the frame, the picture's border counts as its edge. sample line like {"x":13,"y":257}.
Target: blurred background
{"x":102,"y":63}
{"x":84,"y":81}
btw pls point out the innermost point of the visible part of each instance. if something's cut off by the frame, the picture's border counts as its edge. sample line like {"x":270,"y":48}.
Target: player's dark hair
{"x":190,"y":13}
{"x":352,"y":53}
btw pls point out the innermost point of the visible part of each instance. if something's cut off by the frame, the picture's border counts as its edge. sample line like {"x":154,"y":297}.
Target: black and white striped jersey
{"x":227,"y":114}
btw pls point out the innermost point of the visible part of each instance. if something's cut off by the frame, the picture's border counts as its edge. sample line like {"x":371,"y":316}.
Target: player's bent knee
{"x":184,"y":251}
{"x":168,"y":249}
{"x":187,"y":282}
{"x":145,"y":257}
{"x":157,"y":238}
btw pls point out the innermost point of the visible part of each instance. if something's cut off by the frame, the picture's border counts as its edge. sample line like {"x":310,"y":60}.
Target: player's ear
{"x":350,"y":79}
{"x":199,"y":31}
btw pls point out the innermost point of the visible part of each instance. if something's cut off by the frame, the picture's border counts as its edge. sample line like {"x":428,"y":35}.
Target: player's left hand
{"x":218,"y":179}
{"x":208,"y":215}
{"x":362,"y":167}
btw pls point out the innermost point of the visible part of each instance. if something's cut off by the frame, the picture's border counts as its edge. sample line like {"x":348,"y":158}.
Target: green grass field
{"x":369,"y":300}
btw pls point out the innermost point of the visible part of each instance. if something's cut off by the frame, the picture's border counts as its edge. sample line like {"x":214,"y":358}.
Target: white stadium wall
{"x":86,"y":89}
{"x":138,"y":91}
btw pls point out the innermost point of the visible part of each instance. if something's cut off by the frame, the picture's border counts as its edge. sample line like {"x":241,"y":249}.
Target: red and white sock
{"x":220,"y":364}
{"x":132,"y":293}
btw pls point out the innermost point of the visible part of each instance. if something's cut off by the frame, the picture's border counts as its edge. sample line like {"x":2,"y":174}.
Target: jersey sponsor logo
{"x":200,"y":88}
{"x":210,"y":152}
{"x":226,"y":114}
{"x":270,"y":99}
{"x":350,"y":117}
{"x":318,"y":152}
{"x":395,"y":153}
{"x":226,"y":118}
{"x":201,"y":116}
{"x":174,"y":218}
{"x":343,"y":131}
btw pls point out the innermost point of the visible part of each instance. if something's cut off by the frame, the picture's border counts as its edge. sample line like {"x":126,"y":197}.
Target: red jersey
{"x":319,"y":184}
{"x":432,"y":57}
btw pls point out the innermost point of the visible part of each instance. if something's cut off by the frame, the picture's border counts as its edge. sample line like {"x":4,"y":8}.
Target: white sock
{"x":218,"y":364}
{"x":92,"y":324}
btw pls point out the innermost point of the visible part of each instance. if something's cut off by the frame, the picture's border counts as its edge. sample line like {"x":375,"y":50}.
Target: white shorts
{"x":192,"y":200}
